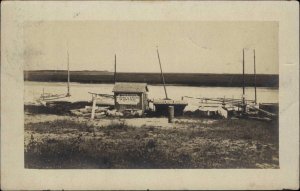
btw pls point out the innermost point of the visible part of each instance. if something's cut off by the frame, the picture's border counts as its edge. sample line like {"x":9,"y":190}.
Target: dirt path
{"x":136,"y":122}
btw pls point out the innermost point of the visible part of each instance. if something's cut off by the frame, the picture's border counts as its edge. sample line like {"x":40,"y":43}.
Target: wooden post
{"x":170,"y":114}
{"x":93,"y":107}
{"x":223,"y":103}
{"x":142,"y":102}
{"x":43,"y":94}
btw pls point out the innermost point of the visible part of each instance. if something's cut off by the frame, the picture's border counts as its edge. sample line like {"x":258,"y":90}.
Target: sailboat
{"x":161,"y":105}
{"x":48,"y":97}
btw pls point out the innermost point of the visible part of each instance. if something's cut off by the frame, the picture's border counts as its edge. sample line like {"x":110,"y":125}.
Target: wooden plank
{"x":102,"y":95}
{"x":263,"y":111}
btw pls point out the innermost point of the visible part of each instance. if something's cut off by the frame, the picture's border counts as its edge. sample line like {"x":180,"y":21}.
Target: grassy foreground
{"x":220,"y":144}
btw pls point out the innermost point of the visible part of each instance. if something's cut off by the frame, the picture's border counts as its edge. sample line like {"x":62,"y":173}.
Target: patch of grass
{"x":223,"y":144}
{"x":117,"y":125}
{"x":58,"y":126}
{"x":241,"y":129}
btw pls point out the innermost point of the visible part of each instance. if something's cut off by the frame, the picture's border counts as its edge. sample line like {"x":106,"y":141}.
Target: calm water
{"x":80,"y":91}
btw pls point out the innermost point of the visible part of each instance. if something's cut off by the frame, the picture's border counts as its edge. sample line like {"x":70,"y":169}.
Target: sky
{"x":184,"y":46}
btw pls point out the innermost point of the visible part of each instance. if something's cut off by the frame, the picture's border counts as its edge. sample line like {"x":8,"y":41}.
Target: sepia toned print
{"x":151,"y":95}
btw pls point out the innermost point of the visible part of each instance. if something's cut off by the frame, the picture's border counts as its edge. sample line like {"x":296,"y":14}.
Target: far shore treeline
{"x":190,"y":79}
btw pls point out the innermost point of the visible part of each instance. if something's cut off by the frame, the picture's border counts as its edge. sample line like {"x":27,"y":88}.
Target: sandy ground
{"x":136,"y":122}
{"x":34,"y":118}
{"x":157,"y":122}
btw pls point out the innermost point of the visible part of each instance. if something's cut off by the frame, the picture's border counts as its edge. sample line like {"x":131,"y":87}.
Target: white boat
{"x":49,"y":97}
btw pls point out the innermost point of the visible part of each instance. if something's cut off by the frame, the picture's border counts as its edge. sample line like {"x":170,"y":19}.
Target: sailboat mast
{"x":254,"y":77}
{"x":115,"y":75}
{"x":243,"y":98}
{"x":243,"y":72}
{"x":68,"y":94}
{"x":162,"y":75}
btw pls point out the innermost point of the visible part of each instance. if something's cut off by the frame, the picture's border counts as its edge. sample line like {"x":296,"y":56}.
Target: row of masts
{"x":161,"y":72}
{"x":163,"y":78}
{"x":164,"y":83}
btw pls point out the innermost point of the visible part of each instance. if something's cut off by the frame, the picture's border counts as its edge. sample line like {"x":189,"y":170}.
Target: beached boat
{"x":161,"y":105}
{"x":47,"y":98}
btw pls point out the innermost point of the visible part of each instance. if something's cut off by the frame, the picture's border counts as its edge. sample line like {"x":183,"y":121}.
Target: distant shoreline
{"x":186,"y":85}
{"x":186,"y":79}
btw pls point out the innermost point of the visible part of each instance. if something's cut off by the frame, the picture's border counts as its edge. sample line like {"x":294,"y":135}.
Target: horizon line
{"x":106,"y":71}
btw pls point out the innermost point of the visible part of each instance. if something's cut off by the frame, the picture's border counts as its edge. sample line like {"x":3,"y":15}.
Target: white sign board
{"x":128,"y":99}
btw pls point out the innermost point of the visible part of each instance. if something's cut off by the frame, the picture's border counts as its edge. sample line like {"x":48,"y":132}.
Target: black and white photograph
{"x":130,"y":94}
{"x":146,"y":95}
